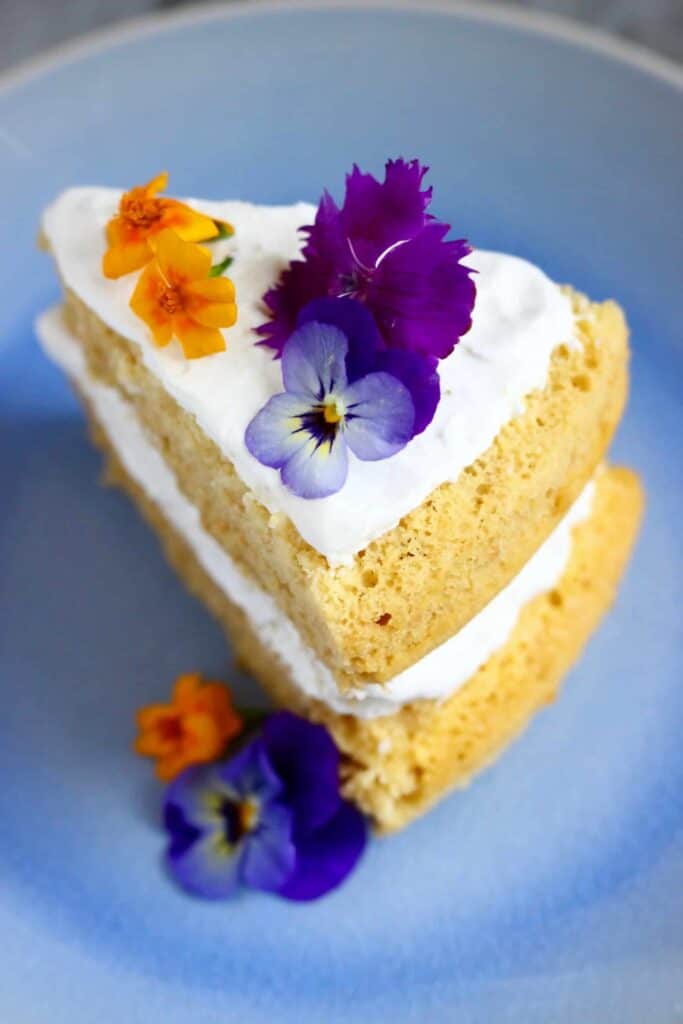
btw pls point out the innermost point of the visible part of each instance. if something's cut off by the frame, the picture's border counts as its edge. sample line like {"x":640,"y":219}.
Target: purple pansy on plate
{"x":270,"y":818}
{"x":378,"y":298}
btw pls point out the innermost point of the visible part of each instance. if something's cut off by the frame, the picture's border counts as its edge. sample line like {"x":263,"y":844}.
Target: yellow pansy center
{"x":332,"y":413}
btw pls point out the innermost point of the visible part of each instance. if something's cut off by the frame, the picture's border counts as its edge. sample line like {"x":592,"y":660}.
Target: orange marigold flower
{"x":176,"y":297}
{"x":195,"y":727}
{"x":142,"y":216}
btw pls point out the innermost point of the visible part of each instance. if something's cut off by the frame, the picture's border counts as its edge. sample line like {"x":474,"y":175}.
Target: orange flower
{"x":142,"y":216}
{"x":195,"y":727}
{"x":176,"y":297}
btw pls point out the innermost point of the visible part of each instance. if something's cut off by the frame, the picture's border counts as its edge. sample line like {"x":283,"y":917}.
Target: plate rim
{"x":545,"y":24}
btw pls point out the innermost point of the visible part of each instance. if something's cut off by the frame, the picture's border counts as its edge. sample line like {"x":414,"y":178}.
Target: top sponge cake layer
{"x":519,"y":318}
{"x":414,"y":586}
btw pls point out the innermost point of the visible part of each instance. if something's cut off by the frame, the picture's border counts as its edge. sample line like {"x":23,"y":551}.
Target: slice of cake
{"x":387,"y":484}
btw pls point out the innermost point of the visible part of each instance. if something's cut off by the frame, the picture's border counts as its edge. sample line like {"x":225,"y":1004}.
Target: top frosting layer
{"x":520,"y":316}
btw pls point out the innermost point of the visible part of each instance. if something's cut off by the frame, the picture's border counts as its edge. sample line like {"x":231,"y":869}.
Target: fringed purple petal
{"x":377,"y":214}
{"x":327,"y":856}
{"x":298,"y":284}
{"x":380,"y":416}
{"x":420,"y":375}
{"x":383,"y":249}
{"x":307,"y":762}
{"x":327,"y":259}
{"x":326,"y":242}
{"x":422,"y":295}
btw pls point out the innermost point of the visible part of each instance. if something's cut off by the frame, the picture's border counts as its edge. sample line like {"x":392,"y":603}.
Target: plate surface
{"x":550,"y":891}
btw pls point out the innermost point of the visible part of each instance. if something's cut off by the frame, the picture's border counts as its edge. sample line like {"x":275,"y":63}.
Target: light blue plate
{"x":552,"y":890}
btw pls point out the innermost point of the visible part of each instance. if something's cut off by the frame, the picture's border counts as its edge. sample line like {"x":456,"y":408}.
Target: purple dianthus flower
{"x":384,"y":250}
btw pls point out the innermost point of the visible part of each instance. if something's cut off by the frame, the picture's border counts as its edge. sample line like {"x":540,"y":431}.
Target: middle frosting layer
{"x":520,"y":317}
{"x":435,"y":676}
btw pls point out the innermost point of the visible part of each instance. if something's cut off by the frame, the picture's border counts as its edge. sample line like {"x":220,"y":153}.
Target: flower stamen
{"x":140,"y":212}
{"x":331,"y":412}
{"x":170,"y":300}
{"x":239,"y":819}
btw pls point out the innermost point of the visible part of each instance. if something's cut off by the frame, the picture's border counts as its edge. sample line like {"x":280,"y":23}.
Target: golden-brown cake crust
{"x":398,"y":766}
{"x":419,"y":583}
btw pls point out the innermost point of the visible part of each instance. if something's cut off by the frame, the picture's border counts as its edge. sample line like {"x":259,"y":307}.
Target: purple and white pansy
{"x":270,"y":818}
{"x":307,"y":430}
{"x":360,"y":323}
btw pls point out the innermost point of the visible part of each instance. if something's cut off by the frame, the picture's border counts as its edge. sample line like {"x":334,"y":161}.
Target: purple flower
{"x":368,"y":353}
{"x":272,"y":818}
{"x":383,"y":249}
{"x":306,"y":431}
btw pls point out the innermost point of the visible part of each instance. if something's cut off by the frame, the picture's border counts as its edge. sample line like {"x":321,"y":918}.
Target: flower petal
{"x":185,"y":690}
{"x":317,"y":469}
{"x":157,"y":184}
{"x":422,"y":295}
{"x":269,"y":852}
{"x":354,"y":320}
{"x":161,"y":333}
{"x":250,"y":774}
{"x":307,"y":762}
{"x":380,"y":416}
{"x":180,"y":260}
{"x":377,"y":215}
{"x":275,"y":435}
{"x":327,"y":856}
{"x":191,"y":225}
{"x":420,"y":375}
{"x":124,"y":259}
{"x":197,"y":340}
{"x":207,"y":867}
{"x":215,"y":699}
{"x":327,"y":258}
{"x":214,"y":314}
{"x":202,"y":738}
{"x":170,"y":764}
{"x":313,"y":361}
{"x":195,"y":792}
{"x":145,"y":303}
{"x":213,"y":289}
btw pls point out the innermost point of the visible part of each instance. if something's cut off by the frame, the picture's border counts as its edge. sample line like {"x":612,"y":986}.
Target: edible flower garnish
{"x":383,"y":249}
{"x":195,"y":727}
{"x":270,"y":818}
{"x":340,"y":393}
{"x":176,"y":296}
{"x":142,"y":216}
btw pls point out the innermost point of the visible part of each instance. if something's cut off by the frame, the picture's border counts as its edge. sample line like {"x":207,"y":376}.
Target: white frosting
{"x":437,"y":675}
{"x":520,"y":316}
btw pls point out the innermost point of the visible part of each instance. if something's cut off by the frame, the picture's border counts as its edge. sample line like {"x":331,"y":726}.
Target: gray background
{"x":29,"y":26}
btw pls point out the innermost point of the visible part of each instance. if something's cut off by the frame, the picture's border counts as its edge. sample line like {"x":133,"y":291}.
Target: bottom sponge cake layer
{"x":397,"y":766}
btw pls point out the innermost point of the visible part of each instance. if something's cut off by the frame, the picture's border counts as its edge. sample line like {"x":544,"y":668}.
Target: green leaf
{"x":219,"y":268}
{"x":224,"y":231}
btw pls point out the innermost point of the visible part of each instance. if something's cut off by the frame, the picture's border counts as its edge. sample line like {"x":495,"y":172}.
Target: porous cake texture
{"x":419,"y":583}
{"x":397,"y":766}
